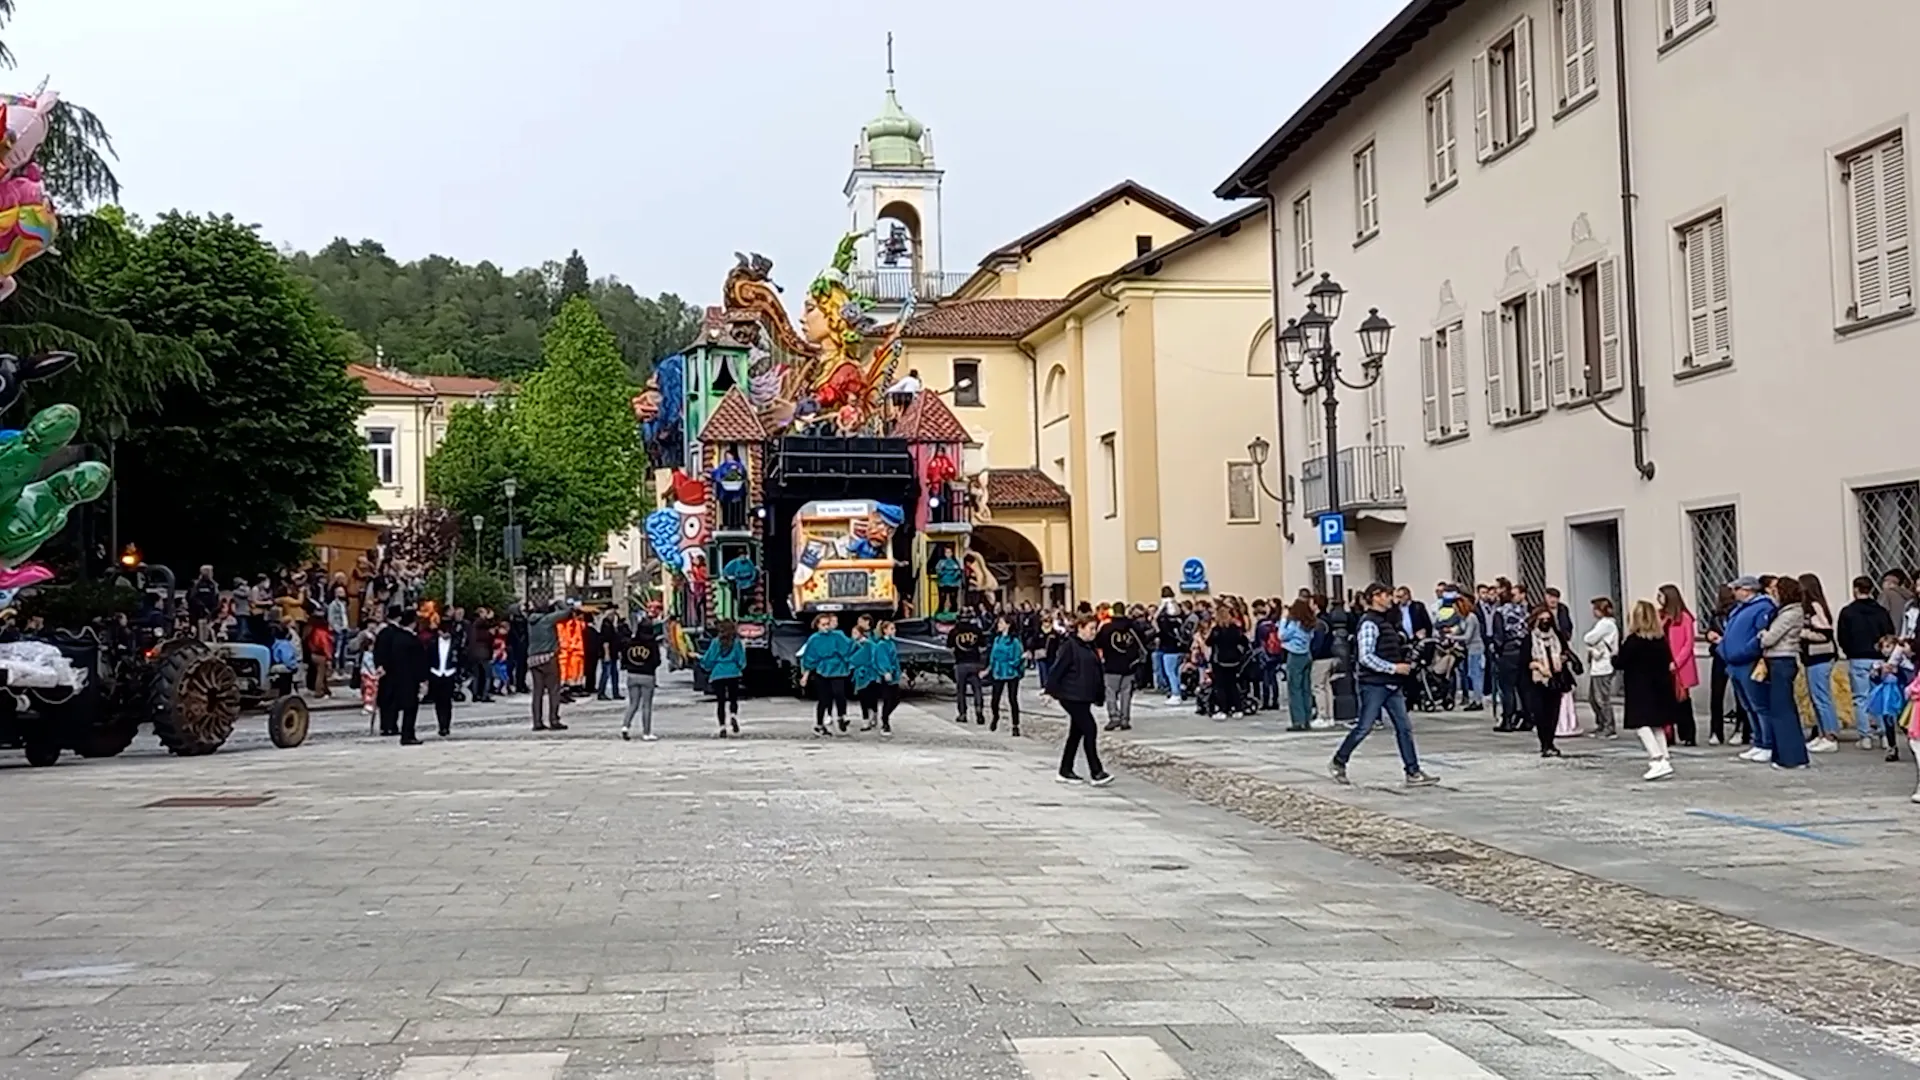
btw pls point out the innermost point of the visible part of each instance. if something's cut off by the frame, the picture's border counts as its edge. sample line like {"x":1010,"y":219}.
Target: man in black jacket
{"x":968,"y":645}
{"x":402,"y":662}
{"x":1121,"y":651}
{"x":1858,"y":632}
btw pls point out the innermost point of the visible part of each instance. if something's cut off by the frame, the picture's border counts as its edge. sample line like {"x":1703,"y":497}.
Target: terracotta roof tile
{"x":733,"y":421}
{"x":384,"y":384}
{"x":1018,"y":489}
{"x":928,"y":420}
{"x":462,"y":385}
{"x":992,"y":317}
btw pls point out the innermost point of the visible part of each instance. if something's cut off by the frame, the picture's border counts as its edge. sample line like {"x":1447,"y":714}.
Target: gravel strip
{"x":1809,"y":979}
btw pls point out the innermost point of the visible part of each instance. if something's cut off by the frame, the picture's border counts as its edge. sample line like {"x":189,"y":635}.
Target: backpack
{"x":1268,"y":633}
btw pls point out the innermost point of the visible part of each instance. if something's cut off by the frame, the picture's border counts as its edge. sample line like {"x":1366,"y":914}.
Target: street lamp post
{"x":1308,"y":345}
{"x":480,"y":541}
{"x":510,"y":487}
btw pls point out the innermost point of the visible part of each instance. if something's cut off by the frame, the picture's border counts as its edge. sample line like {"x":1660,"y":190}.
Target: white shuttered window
{"x":1366,"y":194}
{"x":1879,"y":239}
{"x":1303,"y":235}
{"x":1443,"y":382}
{"x":1681,"y":17}
{"x":1443,"y":151}
{"x":1703,"y":262}
{"x":1577,"y":22}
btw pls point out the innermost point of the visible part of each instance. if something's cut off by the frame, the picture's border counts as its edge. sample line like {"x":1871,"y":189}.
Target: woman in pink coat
{"x":1686,"y":671}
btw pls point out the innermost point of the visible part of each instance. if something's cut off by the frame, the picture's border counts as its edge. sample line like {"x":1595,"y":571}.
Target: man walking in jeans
{"x":1381,"y":652}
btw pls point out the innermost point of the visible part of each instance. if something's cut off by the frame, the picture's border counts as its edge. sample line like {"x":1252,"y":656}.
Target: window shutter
{"x":1589,"y":44}
{"x":1695,"y":256}
{"x":1482,"y":109}
{"x":1523,"y":77}
{"x":1719,"y":290}
{"x":1536,"y":354}
{"x":1496,"y":367}
{"x":1863,"y":191}
{"x":1566,"y":13}
{"x":1314,"y":425}
{"x":1450,"y":164}
{"x":1702,"y":9}
{"x":1558,"y":382}
{"x":1429,"y":391}
{"x":1377,"y":413}
{"x":1612,"y":373}
{"x":1456,"y":375}
{"x":1677,"y":14}
{"x":1895,"y":225}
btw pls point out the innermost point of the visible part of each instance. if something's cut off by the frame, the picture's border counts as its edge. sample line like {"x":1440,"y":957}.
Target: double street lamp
{"x":1313,"y":366}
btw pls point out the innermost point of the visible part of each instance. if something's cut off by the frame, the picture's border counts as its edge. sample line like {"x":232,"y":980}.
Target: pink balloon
{"x":26,"y":124}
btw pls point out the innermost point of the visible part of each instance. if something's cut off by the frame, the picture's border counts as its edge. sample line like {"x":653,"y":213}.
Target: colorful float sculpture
{"x":753,"y":411}
{"x":33,"y":507}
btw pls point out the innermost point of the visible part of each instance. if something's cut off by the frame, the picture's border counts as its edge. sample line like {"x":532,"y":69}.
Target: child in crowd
{"x":882,"y":695}
{"x":862,"y":676}
{"x":1006,"y":663}
{"x":1891,"y":677}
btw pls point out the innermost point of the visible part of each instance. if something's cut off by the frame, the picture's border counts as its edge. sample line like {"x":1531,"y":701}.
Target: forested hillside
{"x":436,"y":316}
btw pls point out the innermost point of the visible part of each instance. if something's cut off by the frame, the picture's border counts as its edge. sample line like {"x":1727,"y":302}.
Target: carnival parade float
{"x":791,"y":482}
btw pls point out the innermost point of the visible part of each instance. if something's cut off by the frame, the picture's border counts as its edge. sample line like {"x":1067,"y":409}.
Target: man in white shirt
{"x":443,"y":675}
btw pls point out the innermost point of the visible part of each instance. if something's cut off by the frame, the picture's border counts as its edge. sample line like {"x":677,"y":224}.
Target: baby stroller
{"x":1430,"y":685}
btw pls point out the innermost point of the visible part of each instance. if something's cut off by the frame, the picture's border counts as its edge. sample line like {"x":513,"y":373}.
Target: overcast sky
{"x":658,"y":136}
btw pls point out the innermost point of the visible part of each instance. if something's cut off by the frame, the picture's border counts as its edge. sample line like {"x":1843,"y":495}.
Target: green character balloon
{"x":49,"y":430}
{"x":41,"y":509}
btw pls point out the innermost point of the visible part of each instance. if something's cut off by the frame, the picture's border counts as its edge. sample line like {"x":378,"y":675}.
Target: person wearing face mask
{"x":1547,"y":678}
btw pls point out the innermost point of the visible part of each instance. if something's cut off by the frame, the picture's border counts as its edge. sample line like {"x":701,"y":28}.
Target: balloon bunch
{"x":27,"y":221}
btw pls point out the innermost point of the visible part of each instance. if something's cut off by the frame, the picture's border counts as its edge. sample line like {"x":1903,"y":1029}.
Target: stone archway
{"x":1014,"y":560}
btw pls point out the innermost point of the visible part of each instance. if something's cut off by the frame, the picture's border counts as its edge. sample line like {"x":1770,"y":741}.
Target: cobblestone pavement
{"x":931,"y":907}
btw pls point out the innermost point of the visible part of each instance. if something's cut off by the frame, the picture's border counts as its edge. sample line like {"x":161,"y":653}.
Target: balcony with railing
{"x":1369,"y":480}
{"x":894,"y":286}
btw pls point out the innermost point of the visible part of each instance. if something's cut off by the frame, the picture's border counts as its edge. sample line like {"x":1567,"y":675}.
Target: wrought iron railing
{"x":1369,"y":477}
{"x":897,"y":285}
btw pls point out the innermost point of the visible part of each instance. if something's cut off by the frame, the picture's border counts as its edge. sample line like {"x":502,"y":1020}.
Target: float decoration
{"x":28,"y":224}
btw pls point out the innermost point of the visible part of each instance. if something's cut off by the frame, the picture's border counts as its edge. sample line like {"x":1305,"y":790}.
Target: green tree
{"x":576,"y":419}
{"x":574,"y":281}
{"x":647,"y":330}
{"x":240,"y":469}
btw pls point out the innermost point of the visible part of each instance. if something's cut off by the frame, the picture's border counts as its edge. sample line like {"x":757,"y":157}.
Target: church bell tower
{"x":893,"y":198}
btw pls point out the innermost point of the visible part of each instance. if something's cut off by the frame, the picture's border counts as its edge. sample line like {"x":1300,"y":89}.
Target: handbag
{"x":1574,"y":666}
{"x":1759,"y":673}
{"x":1569,"y":722}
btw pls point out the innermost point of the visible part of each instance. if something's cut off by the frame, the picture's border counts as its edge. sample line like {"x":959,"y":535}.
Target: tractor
{"x":89,"y":690}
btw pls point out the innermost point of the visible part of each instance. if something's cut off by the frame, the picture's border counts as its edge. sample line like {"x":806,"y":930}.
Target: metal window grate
{"x":1317,"y":575}
{"x":1716,"y":552}
{"x":1460,"y":563}
{"x":1383,"y":568}
{"x":1530,"y":563}
{"x":1889,"y":528}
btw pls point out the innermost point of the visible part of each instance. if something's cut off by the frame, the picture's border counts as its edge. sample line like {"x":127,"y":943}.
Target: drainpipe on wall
{"x":1279,"y":371}
{"x":1636,"y":385}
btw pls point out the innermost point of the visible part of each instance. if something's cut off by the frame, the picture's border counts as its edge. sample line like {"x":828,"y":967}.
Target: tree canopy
{"x":239,"y":469}
{"x":439,"y":316}
{"x":567,"y":440}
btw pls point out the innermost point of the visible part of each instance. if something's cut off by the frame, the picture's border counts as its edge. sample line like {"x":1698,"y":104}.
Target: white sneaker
{"x":1916,"y":796}
{"x":1822,"y":745}
{"x":1659,"y":770}
{"x":1175,"y":701}
{"x":649,"y":737}
{"x":1868,"y":742}
{"x":1321,"y":725}
{"x":1762,"y":757}
{"x":1754,"y":753}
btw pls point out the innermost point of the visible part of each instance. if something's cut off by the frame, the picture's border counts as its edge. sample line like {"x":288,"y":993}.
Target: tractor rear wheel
{"x":194,"y":701}
{"x":287,"y":721}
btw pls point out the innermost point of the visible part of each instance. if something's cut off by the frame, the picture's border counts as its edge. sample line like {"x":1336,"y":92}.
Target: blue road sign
{"x":1333,"y":530}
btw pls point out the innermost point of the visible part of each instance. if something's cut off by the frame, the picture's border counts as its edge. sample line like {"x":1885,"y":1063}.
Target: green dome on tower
{"x":893,"y":137}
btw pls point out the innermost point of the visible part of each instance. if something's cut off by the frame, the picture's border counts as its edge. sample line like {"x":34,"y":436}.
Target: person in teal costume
{"x":863,"y":675}
{"x":948,"y":576}
{"x":827,"y":660}
{"x":882,"y":694}
{"x":1006,"y":664}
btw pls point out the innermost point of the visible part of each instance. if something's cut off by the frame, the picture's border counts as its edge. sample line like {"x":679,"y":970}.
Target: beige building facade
{"x":405,"y":420}
{"x":1650,"y":270}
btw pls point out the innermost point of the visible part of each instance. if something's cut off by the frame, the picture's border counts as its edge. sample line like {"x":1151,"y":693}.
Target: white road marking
{"x":1407,"y":1056}
{"x":1120,"y":1057}
{"x":196,"y":1071}
{"x":799,"y":1061}
{"x":1650,"y":1053}
{"x":483,"y":1066}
